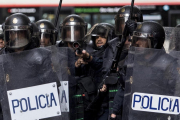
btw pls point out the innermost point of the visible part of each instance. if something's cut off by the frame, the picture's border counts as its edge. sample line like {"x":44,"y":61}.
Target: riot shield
{"x":63,"y":59}
{"x":152,"y":85}
{"x":172,"y":38}
{"x":29,"y":84}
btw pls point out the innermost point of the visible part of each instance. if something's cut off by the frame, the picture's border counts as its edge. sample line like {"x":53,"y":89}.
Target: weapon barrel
{"x":57,"y":14}
{"x":123,"y":40}
{"x":131,"y":11}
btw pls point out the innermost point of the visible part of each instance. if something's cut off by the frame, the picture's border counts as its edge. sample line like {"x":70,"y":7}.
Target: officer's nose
{"x":99,"y":38}
{"x":137,"y":43}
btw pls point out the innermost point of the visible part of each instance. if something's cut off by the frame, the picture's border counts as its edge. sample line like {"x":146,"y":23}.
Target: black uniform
{"x":72,"y":29}
{"x":94,"y":68}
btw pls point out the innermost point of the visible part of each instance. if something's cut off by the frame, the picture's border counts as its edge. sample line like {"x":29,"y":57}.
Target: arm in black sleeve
{"x":78,"y":71}
{"x":96,"y":63}
{"x":118,"y":101}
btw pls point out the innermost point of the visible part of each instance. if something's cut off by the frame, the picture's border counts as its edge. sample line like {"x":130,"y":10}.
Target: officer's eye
{"x":97,"y":37}
{"x":103,"y":36}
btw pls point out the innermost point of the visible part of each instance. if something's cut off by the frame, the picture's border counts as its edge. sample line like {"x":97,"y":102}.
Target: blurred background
{"x":166,"y":12}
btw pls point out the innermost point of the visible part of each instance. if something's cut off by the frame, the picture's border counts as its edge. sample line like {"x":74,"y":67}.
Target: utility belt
{"x":112,"y":81}
{"x":85,"y":93}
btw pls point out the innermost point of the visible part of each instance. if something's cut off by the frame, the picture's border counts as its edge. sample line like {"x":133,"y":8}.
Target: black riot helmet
{"x":123,"y":15}
{"x":73,"y":29}
{"x":151,"y":32}
{"x":102,"y":30}
{"x":48,"y":33}
{"x":111,"y":33}
{"x":17,"y":30}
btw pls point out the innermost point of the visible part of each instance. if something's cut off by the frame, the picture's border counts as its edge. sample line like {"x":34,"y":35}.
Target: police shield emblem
{"x":31,"y":102}
{"x":29,"y":85}
{"x":15,"y":20}
{"x":123,"y":10}
{"x":42,"y":25}
{"x":71,"y":19}
{"x":154,"y":93}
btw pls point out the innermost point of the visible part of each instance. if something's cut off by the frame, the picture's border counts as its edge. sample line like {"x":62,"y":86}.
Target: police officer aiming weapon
{"x":112,"y":75}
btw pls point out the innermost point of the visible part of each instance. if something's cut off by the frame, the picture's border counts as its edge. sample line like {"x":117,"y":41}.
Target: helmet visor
{"x":100,"y":31}
{"x":45,"y":40}
{"x":141,"y":42}
{"x":73,"y":33}
{"x":119,"y":24}
{"x":17,"y":39}
{"x":87,"y":38}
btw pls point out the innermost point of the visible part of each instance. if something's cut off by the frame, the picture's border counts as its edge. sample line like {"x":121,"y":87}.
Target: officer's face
{"x":1,"y":43}
{"x":17,"y":38}
{"x":16,"y":35}
{"x":127,"y":44}
{"x":100,"y":41}
{"x":45,"y":40}
{"x":141,"y":42}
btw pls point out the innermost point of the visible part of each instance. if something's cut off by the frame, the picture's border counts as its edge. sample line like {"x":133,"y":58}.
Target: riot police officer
{"x":18,"y":32}
{"x":32,"y":65}
{"x":72,"y":29}
{"x":120,"y":19}
{"x":146,"y":35}
{"x":48,"y":33}
{"x":100,"y":34}
{"x":99,"y":30}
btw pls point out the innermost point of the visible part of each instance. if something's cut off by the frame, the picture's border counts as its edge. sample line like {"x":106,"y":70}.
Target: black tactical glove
{"x":131,"y":26}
